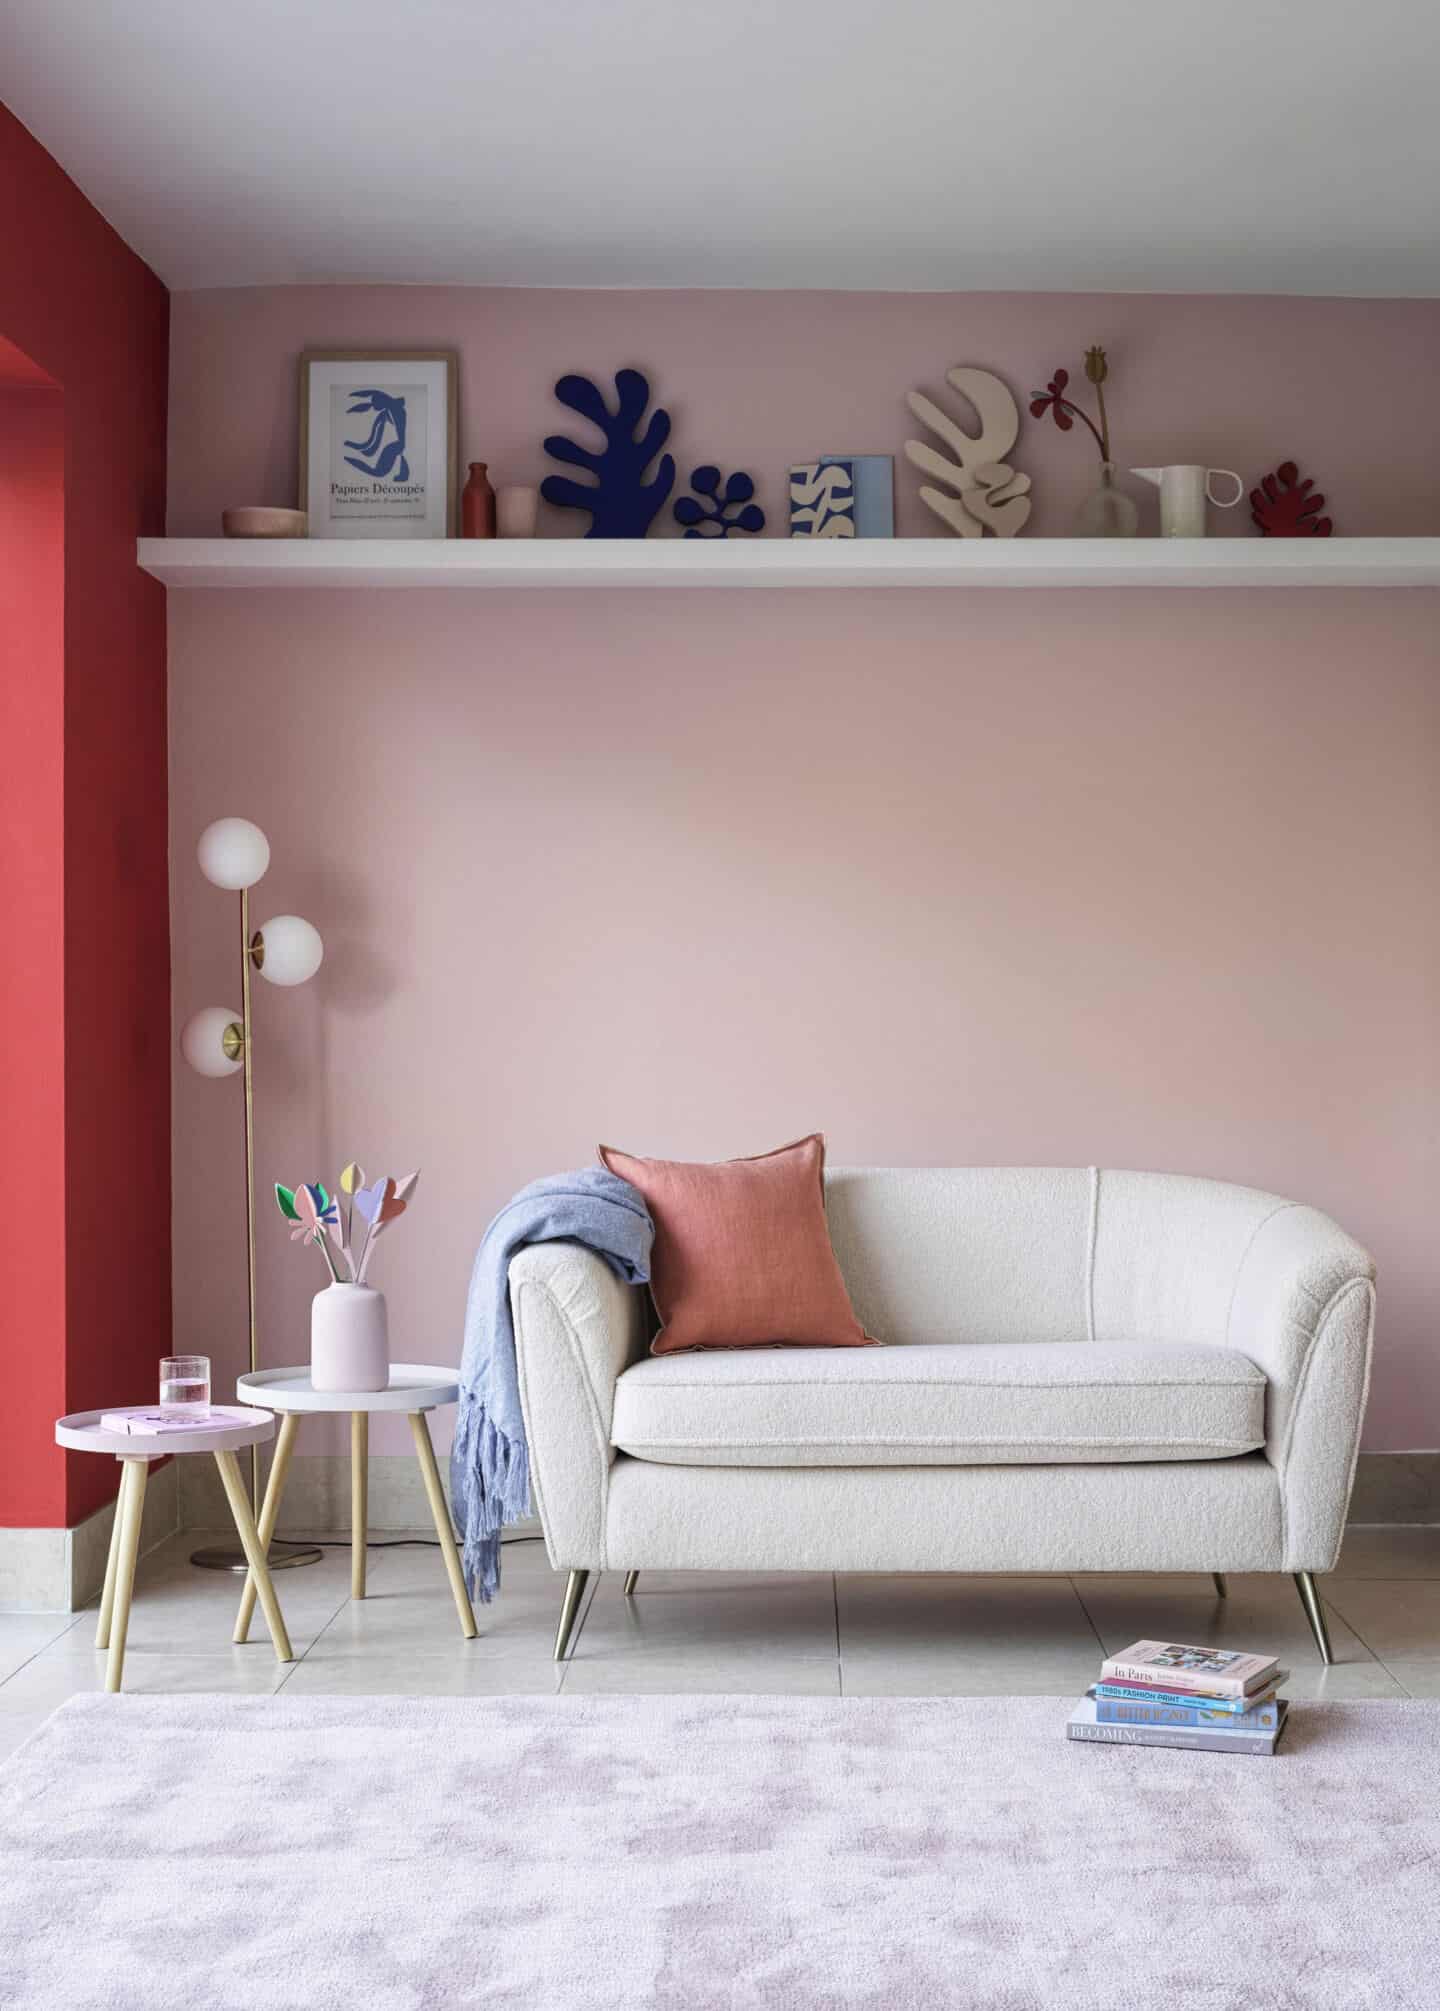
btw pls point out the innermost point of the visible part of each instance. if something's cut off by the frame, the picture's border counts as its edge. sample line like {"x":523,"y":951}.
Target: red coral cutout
{"x":1285,"y":508}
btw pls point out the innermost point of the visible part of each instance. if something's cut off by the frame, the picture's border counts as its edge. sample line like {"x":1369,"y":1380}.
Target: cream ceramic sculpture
{"x":989,"y":493}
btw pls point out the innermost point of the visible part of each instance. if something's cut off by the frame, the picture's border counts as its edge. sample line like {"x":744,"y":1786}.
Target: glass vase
{"x":1107,"y":512}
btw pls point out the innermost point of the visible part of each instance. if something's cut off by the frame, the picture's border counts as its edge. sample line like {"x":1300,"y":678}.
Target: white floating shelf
{"x":785,"y":562}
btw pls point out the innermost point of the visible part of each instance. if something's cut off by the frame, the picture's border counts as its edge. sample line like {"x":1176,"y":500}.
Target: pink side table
{"x":230,"y":1431}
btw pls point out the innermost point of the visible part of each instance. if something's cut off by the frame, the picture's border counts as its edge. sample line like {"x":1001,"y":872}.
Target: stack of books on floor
{"x":1162,"y":1693}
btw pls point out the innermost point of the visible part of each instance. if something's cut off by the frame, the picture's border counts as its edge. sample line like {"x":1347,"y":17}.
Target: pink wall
{"x":758,"y":380}
{"x":1141,"y":878}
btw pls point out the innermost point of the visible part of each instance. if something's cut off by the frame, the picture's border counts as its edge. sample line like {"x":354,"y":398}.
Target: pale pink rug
{"x":559,"y":1854}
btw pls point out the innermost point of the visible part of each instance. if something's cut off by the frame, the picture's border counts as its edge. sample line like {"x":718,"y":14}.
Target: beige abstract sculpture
{"x":989,"y":492}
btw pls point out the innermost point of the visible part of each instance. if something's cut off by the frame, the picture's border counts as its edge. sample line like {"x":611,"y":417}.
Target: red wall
{"x":84,"y":1007}
{"x":32,"y":890}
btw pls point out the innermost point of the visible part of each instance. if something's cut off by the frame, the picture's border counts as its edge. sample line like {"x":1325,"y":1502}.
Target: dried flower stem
{"x":1075,"y":412}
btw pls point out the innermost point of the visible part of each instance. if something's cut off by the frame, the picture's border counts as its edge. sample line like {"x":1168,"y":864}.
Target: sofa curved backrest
{"x":981,"y":1254}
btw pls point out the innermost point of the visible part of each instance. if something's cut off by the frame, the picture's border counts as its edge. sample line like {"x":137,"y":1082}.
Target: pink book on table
{"x":155,"y":1424}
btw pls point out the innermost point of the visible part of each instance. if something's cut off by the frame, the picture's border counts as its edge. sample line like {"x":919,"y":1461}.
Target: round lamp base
{"x":280,"y":1556}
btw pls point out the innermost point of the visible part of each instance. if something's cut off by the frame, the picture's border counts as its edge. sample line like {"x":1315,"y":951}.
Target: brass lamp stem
{"x":238,"y":1040}
{"x":249,"y":1163}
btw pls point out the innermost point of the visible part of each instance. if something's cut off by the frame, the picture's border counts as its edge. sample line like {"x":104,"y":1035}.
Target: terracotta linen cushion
{"x":742,"y":1255}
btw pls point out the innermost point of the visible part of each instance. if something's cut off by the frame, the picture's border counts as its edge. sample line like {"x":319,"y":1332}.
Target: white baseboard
{"x":1390,"y":1487}
{"x":62,"y":1570}
{"x":1396,"y":1487}
{"x":317,"y":1494}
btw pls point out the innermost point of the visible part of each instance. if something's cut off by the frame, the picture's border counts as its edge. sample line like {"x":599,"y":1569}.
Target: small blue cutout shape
{"x":714,"y":511}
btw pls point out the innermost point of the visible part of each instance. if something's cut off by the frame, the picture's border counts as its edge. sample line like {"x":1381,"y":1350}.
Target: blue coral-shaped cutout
{"x":622,"y":504}
{"x":695,"y":515}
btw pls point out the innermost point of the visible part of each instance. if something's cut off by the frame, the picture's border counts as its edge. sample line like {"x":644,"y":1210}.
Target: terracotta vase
{"x":477,"y":504}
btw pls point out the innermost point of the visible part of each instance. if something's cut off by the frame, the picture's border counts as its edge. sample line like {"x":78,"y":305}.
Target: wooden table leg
{"x":107,"y":1597}
{"x":254,"y":1554}
{"x":131,"y":1508}
{"x":359,"y":1498}
{"x":425,"y":1452}
{"x":269,"y":1515}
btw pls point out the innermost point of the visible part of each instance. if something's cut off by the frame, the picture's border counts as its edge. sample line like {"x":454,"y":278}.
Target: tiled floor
{"x":686,"y":1631}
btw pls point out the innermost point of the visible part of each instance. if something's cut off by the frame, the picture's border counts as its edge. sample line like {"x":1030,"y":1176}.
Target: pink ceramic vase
{"x":349,"y":1339}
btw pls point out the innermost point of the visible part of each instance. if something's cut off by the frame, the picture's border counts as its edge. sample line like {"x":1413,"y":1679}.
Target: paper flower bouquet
{"x":319,"y":1218}
{"x":349,"y":1324}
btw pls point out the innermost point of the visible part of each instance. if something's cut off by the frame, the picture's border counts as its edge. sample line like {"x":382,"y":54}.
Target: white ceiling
{"x":1286,"y":146}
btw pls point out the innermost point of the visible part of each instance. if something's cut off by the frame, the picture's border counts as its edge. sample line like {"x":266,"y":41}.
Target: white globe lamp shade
{"x":233,"y":853}
{"x":288,"y":950}
{"x":207,"y":1043}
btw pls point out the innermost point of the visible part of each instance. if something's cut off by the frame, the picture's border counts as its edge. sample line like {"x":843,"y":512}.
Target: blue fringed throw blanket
{"x":489,"y":1462}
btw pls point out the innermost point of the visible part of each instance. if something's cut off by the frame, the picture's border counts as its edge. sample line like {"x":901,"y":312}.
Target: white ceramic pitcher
{"x":1184,"y":491}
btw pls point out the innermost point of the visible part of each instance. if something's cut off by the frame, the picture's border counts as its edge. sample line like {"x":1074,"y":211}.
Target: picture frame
{"x":378,"y":442}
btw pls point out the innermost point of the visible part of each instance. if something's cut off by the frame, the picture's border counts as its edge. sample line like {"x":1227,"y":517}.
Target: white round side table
{"x":229,"y":1431}
{"x":415,"y":1389}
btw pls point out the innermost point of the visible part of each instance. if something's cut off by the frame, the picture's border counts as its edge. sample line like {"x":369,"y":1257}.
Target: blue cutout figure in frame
{"x":388,"y":462}
{"x":696,"y":515}
{"x":622,"y":504}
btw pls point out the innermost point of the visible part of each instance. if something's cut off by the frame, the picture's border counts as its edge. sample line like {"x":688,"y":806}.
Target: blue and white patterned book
{"x":822,"y":500}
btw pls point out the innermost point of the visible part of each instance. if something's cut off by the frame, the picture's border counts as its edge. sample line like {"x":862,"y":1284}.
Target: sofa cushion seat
{"x":1040,"y":1402}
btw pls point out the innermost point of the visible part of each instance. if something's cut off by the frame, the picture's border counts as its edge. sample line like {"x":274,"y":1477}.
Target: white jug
{"x":1184,"y":491}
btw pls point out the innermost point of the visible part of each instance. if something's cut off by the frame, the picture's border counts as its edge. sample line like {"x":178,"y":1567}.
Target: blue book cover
{"x":1128,"y":1693}
{"x":1115,"y":1711}
{"x":874,"y":479}
{"x":1218,"y":1738}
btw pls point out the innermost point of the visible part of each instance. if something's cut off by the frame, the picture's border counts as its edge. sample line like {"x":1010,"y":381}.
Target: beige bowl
{"x":261,"y":521}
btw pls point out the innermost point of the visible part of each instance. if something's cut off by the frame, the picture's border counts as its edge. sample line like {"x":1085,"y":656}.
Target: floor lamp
{"x":234,"y":854}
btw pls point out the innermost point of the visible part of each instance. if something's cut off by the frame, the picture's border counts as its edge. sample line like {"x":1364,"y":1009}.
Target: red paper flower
{"x":1054,"y":400}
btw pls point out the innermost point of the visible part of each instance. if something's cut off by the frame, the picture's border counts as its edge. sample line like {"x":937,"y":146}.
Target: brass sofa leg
{"x":1222,"y":1590}
{"x":1315,"y":1614}
{"x":632,"y":1579}
{"x":569,"y":1607}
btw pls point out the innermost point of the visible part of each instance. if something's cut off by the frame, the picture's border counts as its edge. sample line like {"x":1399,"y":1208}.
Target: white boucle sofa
{"x":1085,"y":1371}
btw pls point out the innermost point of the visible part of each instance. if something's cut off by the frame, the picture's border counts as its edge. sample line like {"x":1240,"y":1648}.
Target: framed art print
{"x":377,"y":443}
